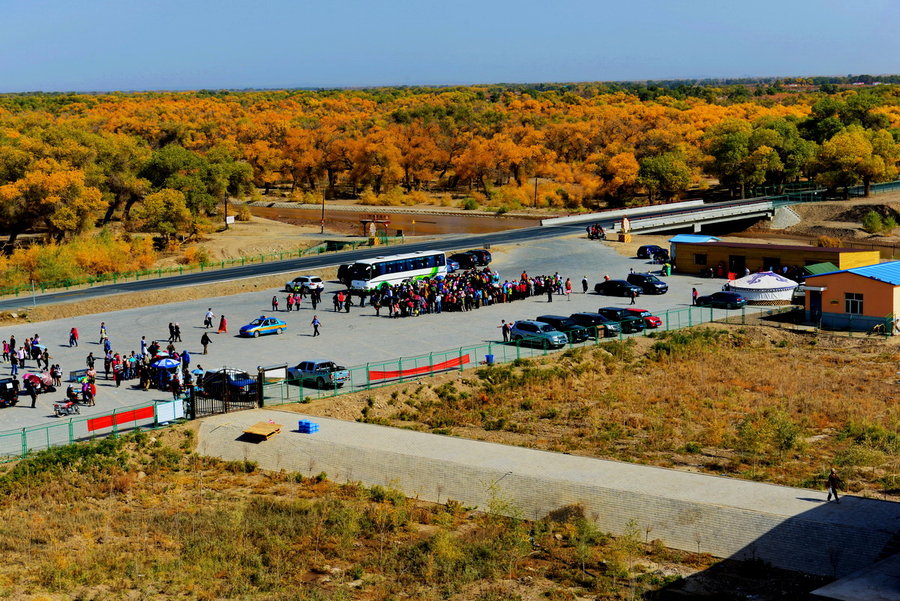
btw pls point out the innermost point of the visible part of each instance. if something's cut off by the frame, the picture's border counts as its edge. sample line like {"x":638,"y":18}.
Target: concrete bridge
{"x":688,"y":214}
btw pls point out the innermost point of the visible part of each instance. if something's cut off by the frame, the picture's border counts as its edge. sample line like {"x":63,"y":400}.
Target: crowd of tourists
{"x":462,"y":291}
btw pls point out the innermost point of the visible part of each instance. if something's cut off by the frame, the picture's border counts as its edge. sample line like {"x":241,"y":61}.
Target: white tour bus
{"x":370,"y":274}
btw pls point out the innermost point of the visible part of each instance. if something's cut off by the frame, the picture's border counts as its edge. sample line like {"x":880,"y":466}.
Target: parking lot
{"x":349,"y":339}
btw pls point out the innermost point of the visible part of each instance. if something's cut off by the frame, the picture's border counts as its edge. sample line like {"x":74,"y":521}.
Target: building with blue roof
{"x":859,"y":298}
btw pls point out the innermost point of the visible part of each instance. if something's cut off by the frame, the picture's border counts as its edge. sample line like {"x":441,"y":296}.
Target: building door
{"x":737,"y":264}
{"x":815,"y":305}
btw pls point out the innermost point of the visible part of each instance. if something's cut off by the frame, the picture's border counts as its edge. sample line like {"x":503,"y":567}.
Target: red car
{"x":650,"y":320}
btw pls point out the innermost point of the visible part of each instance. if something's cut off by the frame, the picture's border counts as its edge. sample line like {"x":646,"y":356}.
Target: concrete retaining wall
{"x":789,"y":528}
{"x":618,"y":214}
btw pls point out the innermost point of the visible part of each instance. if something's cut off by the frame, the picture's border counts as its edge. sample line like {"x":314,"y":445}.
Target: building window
{"x":699,"y":259}
{"x":853,"y":303}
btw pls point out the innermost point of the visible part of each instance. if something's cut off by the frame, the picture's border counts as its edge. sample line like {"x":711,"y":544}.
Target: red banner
{"x":108,"y":421}
{"x":418,"y":371}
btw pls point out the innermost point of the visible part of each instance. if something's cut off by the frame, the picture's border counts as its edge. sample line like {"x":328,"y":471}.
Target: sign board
{"x":230,"y":219}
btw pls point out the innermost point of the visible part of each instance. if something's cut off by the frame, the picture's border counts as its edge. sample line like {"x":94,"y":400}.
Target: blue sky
{"x":99,"y":45}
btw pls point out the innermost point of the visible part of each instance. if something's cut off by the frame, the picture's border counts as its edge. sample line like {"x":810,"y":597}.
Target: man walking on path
{"x":694,"y":295}
{"x":832,"y":484}
{"x":208,"y":320}
{"x":584,"y":284}
{"x":73,"y":337}
{"x":504,"y":328}
{"x":633,"y":295}
{"x":205,"y":340}
{"x":315,"y":323}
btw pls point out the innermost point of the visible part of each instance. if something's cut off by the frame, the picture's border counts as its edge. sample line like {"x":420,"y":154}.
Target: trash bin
{"x":489,"y":359}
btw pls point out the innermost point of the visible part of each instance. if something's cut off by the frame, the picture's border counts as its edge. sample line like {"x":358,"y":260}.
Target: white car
{"x":303,"y":283}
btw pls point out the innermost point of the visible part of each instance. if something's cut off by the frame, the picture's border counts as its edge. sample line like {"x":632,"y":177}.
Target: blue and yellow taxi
{"x":263,"y":325}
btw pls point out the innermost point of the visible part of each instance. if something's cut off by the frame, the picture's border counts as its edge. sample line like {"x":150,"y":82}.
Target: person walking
{"x":584,"y":284}
{"x":274,"y":303}
{"x":568,"y":289}
{"x":208,"y":319}
{"x":177,"y":332}
{"x":73,"y":337}
{"x":832,"y":484}
{"x":633,"y":295}
{"x":549,"y":292}
{"x":14,"y":364}
{"x":223,"y":325}
{"x":143,"y":346}
{"x":504,"y":329}
{"x":29,"y":388}
{"x":315,"y":323}
{"x":104,"y":335}
{"x":694,"y":295}
{"x":205,"y":340}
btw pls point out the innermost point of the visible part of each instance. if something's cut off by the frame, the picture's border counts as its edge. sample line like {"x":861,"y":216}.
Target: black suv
{"x":648,"y":251}
{"x":482,"y":256}
{"x":624,"y":318}
{"x":595,"y":322}
{"x":466,"y":260}
{"x":229,"y":385}
{"x":566,"y":325}
{"x":617,"y":288}
{"x":648,"y":282}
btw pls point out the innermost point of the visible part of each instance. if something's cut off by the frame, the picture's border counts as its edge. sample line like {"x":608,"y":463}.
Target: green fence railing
{"x":15,"y":444}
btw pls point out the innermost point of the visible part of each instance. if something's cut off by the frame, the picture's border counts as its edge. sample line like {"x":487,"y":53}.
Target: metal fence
{"x":15,"y":444}
{"x":405,"y":369}
{"x":18,"y":443}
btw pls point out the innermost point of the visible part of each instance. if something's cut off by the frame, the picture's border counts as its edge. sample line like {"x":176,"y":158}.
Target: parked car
{"x":228,"y":384}
{"x":617,"y":288}
{"x":566,"y":325}
{"x":482,"y":256}
{"x":466,"y":260}
{"x":626,"y":321}
{"x":452,"y":266}
{"x":650,"y":320}
{"x":263,"y":325}
{"x":322,"y":372}
{"x":722,"y":300}
{"x":538,"y":334}
{"x":648,"y":251}
{"x":9,"y":392}
{"x":597,"y":324}
{"x":648,"y":283}
{"x":303,"y":283}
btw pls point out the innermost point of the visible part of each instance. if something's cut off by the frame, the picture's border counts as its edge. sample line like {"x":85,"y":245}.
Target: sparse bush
{"x":828,"y":242}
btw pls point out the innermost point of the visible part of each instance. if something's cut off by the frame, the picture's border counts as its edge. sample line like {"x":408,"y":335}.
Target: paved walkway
{"x":788,"y":527}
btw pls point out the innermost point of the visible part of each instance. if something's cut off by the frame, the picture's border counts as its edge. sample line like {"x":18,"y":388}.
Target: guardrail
{"x":114,"y":278}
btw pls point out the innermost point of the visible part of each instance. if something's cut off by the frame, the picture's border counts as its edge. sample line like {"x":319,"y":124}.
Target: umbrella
{"x":40,"y":346}
{"x":32,"y":378}
{"x":166,"y":362}
{"x":197,"y":372}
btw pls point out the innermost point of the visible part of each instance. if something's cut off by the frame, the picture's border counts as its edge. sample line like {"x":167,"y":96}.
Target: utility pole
{"x":225,"y":202}
{"x":535,"y":191}
{"x":322,"y":222}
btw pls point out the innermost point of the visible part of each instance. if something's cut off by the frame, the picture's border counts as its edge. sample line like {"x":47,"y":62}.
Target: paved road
{"x":289,"y":265}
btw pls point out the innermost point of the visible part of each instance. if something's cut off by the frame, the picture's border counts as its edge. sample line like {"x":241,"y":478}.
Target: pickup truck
{"x":322,"y":372}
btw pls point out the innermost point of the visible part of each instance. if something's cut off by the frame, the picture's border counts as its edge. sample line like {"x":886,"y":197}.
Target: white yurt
{"x":764,"y":288}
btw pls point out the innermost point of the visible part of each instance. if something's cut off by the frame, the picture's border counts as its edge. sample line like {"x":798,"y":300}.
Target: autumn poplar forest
{"x":82,"y":174}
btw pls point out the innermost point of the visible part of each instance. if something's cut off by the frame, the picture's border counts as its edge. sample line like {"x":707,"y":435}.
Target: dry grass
{"x":141,"y":517}
{"x":754,"y":402}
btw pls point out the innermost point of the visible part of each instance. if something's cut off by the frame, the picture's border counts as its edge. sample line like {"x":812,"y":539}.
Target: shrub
{"x":828,"y":242}
{"x":470,"y":204}
{"x":243,"y":213}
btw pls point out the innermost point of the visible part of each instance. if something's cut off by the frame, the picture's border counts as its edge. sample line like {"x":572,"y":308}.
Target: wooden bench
{"x":264,"y":429}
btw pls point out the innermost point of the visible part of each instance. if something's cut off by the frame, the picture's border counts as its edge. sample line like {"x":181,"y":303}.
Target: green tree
{"x":666,"y":175}
{"x":177,"y":168}
{"x":856,"y":155}
{"x":164,"y":212}
{"x":728,"y":143}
